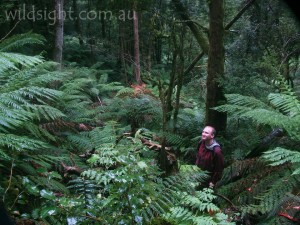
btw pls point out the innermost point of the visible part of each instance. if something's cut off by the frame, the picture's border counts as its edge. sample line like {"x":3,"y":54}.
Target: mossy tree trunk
{"x":198,"y":33}
{"x":215,"y":67}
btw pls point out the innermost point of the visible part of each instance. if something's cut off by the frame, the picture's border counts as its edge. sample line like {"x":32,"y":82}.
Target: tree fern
{"x":18,"y":41}
{"x":266,"y":192}
{"x":11,"y":61}
{"x":194,"y":209}
{"x":279,"y":156}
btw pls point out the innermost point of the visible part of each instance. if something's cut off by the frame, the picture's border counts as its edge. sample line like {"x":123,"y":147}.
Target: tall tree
{"x":198,"y":33}
{"x":77,"y":22}
{"x":215,"y":66}
{"x":59,"y":32}
{"x":137,"y":69}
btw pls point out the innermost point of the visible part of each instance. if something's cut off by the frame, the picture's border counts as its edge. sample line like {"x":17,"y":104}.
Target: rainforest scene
{"x":107,"y":107}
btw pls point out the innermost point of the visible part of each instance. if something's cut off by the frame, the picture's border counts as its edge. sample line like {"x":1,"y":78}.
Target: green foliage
{"x":16,"y":42}
{"x":193,"y":209}
{"x":9,"y":60}
{"x":263,"y":187}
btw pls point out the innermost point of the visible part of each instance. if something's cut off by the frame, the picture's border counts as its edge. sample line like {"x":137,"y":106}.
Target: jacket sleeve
{"x":197,"y":153}
{"x":218,"y":166}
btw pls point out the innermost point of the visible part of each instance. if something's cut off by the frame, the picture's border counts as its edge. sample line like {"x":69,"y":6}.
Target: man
{"x":209,"y":156}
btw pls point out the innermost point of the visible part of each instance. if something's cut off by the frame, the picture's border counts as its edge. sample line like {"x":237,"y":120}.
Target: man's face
{"x":207,"y":134}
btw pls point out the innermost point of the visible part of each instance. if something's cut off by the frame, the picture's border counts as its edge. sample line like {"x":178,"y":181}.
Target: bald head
{"x":208,"y":134}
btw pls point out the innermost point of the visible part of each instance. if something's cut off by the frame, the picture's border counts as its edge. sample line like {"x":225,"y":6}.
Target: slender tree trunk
{"x":122,"y":50}
{"x":59,"y":33}
{"x":180,"y":75}
{"x":166,"y":100}
{"x":103,"y":26}
{"x":149,"y":52}
{"x":215,"y":67}
{"x":77,"y":22}
{"x":286,"y":72}
{"x":137,"y":69}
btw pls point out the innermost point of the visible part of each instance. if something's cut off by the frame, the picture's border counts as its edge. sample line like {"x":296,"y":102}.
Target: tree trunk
{"x":103,"y":26}
{"x":137,"y":69}
{"x":77,"y":22}
{"x":149,"y":53}
{"x":180,"y":76}
{"x":59,"y":32}
{"x":122,"y":50}
{"x":198,"y":34}
{"x":166,"y":100}
{"x":227,"y":27}
{"x":215,"y":67}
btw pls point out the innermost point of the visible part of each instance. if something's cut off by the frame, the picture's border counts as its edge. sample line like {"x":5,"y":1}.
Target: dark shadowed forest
{"x":102,"y":105}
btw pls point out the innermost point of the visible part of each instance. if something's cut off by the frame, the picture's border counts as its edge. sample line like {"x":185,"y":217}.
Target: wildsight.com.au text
{"x":33,"y":14}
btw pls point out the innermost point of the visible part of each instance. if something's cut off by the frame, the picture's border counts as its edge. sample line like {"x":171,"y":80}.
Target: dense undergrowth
{"x":69,"y":152}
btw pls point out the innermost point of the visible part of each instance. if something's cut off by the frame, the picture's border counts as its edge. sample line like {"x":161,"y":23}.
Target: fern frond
{"x":271,"y":197}
{"x":279,"y":156}
{"x":11,"y":61}
{"x":244,"y":101}
{"x":47,"y":112}
{"x":50,"y":184}
{"x":39,"y":132}
{"x":81,"y":141}
{"x":20,"y":40}
{"x":21,"y":143}
{"x":124,"y":92}
{"x":289,"y":104}
{"x":110,"y":87}
{"x":39,"y":93}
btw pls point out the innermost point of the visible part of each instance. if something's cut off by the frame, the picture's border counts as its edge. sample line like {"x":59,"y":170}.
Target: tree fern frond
{"x":106,"y":135}
{"x":39,"y":92}
{"x":271,"y":197}
{"x":125,"y":92}
{"x":20,"y":40}
{"x":266,"y":117}
{"x":244,"y":101}
{"x":6,"y":64}
{"x":110,"y":87}
{"x":234,"y":110}
{"x":48,"y":77}
{"x":50,"y":184}
{"x":21,"y":143}
{"x":279,"y":156}
{"x":202,"y":201}
{"x":11,"y":119}
{"x":11,"y":60}
{"x":38,"y":132}
{"x":59,"y":126}
{"x":289,"y":104}
{"x":81,"y":141}
{"x":175,"y":139}
{"x":4,"y":156}
{"x":47,"y":112}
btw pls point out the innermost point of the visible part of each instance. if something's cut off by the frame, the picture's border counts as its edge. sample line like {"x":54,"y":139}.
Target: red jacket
{"x":211,"y":160}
